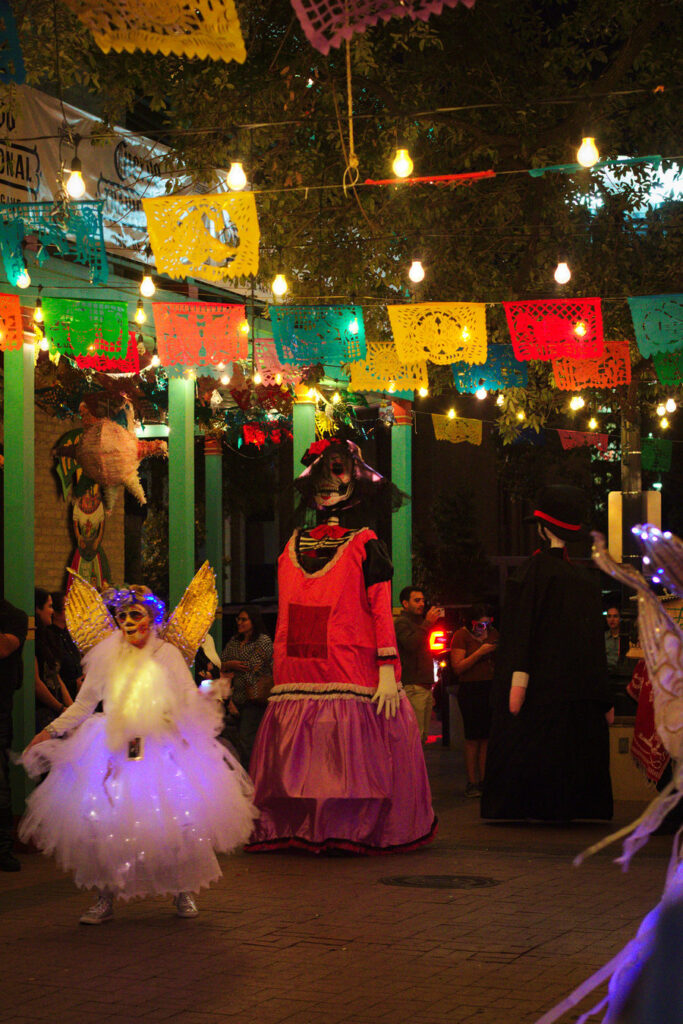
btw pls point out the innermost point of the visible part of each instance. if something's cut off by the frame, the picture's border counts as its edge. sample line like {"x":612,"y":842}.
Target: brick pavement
{"x":293,"y":939}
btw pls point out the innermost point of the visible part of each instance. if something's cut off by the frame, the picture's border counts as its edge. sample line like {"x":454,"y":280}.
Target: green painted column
{"x":213,"y":474}
{"x":19,"y":519}
{"x":401,"y":475}
{"x":180,"y":486}
{"x":303,"y":426}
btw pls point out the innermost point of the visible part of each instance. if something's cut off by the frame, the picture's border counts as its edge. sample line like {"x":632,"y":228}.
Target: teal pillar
{"x":401,"y":475}
{"x":180,"y":486}
{"x":213,"y":475}
{"x":19,"y":520}
{"x":303,"y":429}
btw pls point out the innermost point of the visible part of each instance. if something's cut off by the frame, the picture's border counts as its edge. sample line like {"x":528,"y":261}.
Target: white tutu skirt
{"x":138,"y":827}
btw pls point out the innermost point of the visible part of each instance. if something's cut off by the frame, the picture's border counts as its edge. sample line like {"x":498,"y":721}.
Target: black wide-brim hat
{"x":562,"y":508}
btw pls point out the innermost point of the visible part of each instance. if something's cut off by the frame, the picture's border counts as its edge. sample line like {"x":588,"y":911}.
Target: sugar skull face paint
{"x":134,"y":622}
{"x":335,"y":482}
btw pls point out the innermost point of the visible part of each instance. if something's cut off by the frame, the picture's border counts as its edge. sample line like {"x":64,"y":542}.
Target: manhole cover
{"x":441,"y":881}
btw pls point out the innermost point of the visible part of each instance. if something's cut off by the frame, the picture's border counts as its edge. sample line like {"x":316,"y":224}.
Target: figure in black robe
{"x":550,"y":761}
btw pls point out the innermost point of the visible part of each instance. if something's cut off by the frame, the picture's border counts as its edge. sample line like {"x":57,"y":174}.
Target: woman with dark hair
{"x":52,"y":696}
{"x":248,"y":657}
{"x":472,"y":652}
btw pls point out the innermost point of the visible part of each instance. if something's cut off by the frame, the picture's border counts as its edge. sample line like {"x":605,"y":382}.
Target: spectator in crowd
{"x":417,"y":667}
{"x":248,"y":658}
{"x":65,"y":649}
{"x":472,"y":654}
{"x":13,"y":629}
{"x":52,"y":696}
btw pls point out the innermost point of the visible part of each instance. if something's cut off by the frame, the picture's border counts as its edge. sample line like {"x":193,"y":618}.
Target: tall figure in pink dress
{"x":338,"y":762}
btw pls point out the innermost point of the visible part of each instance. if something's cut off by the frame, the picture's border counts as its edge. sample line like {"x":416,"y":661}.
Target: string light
{"x":312,"y":393}
{"x":670,"y":404}
{"x":451,"y":414}
{"x":75,"y":185}
{"x":580,"y":329}
{"x":38,"y":315}
{"x":423,"y":392}
{"x":402,"y":165}
{"x":155,"y":360}
{"x":500,"y":400}
{"x":664,"y":423}
{"x":481,"y":393}
{"x":353,"y":326}
{"x":258,"y":379}
{"x":521,"y":415}
{"x":24,"y":279}
{"x":278,"y":378}
{"x":336,"y":398}
{"x":392,"y":387}
{"x":587,"y":154}
{"x":592,"y":423}
{"x":576,"y":403}
{"x":562,"y":273}
{"x":244,"y":327}
{"x":140,"y":315}
{"x":44,"y":344}
{"x":416,"y":272}
{"x":147,"y":286}
{"x":236,"y":178}
{"x":279,"y":285}
{"x":661,"y":409}
{"x":220,"y":366}
{"x":225,"y":380}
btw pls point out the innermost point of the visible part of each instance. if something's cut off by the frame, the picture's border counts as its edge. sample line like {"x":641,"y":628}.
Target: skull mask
{"x":335,"y":480}
{"x":134,"y":622}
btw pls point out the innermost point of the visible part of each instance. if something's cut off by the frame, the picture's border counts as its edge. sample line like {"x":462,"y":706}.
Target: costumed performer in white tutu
{"x":138,"y":798}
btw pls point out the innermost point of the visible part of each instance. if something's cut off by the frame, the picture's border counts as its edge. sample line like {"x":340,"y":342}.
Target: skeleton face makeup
{"x":134,"y":622}
{"x":335,"y":482}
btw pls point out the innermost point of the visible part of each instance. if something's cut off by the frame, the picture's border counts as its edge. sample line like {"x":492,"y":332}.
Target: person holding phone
{"x":472,"y":653}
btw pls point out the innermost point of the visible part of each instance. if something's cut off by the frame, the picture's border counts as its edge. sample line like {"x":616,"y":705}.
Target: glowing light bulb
{"x":220,"y":366}
{"x":244,"y":327}
{"x":147,"y":286}
{"x":670,"y":402}
{"x":279,"y":285}
{"x":592,"y":423}
{"x":562,"y":273}
{"x":402,"y":165}
{"x":353,"y":326}
{"x":664,"y":423}
{"x":416,"y":272}
{"x":38,"y":315}
{"x":587,"y":154}
{"x":311,"y":393}
{"x":24,"y":279}
{"x":44,"y":344}
{"x":236,"y":178}
{"x":336,"y":398}
{"x":258,"y":379}
{"x":75,"y":186}
{"x":423,"y":392}
{"x":576,"y":402}
{"x":661,"y":409}
{"x":155,"y":360}
{"x":451,"y":414}
{"x":521,"y":415}
{"x":140,"y":315}
{"x":481,"y":393}
{"x":500,"y":400}
{"x":278,"y":378}
{"x":465,"y":334}
{"x":225,"y":379}
{"x":580,"y":329}
{"x":392,"y":387}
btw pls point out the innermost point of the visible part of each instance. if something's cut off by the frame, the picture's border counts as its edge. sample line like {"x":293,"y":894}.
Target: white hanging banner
{"x":120,"y":171}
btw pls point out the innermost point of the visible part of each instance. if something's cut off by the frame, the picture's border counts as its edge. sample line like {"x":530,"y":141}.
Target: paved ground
{"x":303,"y":940}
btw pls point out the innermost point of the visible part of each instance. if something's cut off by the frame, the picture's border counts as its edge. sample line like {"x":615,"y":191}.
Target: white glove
{"x":386,"y":693}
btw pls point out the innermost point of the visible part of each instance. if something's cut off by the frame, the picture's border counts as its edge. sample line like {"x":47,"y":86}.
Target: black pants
{"x":6,"y":819}
{"x":240,"y":730}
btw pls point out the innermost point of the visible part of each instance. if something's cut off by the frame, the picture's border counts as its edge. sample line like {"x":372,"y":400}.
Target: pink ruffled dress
{"x":329,"y":772}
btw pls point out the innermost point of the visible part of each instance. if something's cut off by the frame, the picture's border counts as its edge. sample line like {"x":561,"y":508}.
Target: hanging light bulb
{"x":592,"y":423}
{"x":577,"y":402}
{"x":353,"y":326}
{"x":336,"y":398}
{"x":236,"y":178}
{"x":587,"y":154}
{"x":580,"y":329}
{"x":258,"y":379}
{"x":220,"y":366}
{"x":664,"y":423}
{"x":521,"y":415}
{"x":75,"y":185}
{"x":279,"y":285}
{"x":500,"y":400}
{"x":24,"y":279}
{"x":44,"y":344}
{"x":278,"y":378}
{"x":392,"y":387}
{"x":416,"y":272}
{"x":451,"y":414}
{"x":402,"y":165}
{"x":225,"y":380}
{"x":670,"y":403}
{"x":155,"y":360}
{"x":244,"y":327}
{"x":481,"y":393}
{"x":38,"y":315}
{"x":140,"y":315}
{"x":147,"y":286}
{"x":423,"y":392}
{"x":312,"y":393}
{"x":661,"y":409}
{"x":562,"y":273}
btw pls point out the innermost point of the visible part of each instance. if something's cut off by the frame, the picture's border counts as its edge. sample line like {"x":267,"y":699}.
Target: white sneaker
{"x":185,"y":905}
{"x":100,"y":912}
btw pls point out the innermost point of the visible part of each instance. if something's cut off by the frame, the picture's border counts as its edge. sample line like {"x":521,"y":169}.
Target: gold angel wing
{"x":87,"y":617}
{"x":189,"y":623}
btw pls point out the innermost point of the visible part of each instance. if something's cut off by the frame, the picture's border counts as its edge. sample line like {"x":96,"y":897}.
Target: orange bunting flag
{"x":11,"y":327}
{"x":609,"y":370}
{"x":199,"y":334}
